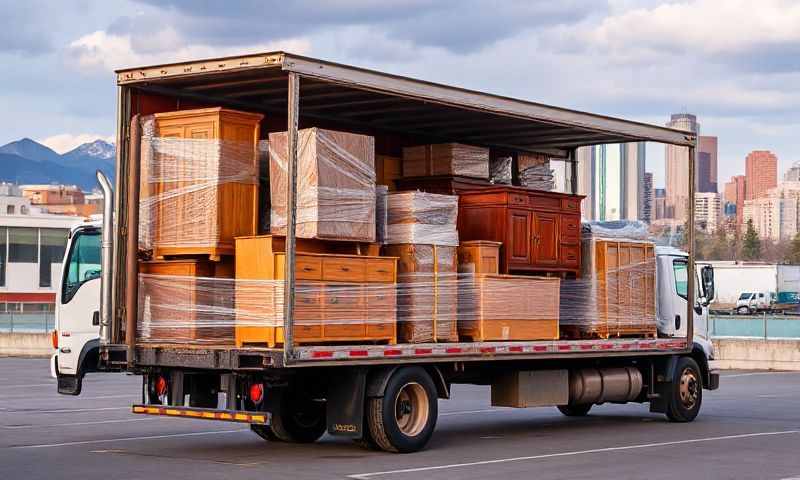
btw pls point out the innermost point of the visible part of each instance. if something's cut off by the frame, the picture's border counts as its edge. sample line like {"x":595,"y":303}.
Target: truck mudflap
{"x":258,"y":418}
{"x":713,"y":380}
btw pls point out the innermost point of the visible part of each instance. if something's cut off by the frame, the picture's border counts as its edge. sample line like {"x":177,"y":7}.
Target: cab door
{"x":78,"y":310}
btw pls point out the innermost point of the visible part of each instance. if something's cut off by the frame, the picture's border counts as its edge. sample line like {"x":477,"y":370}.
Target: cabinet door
{"x":519,"y":237}
{"x":545,"y":238}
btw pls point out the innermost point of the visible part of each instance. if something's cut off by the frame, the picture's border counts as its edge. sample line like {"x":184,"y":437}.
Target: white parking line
{"x":363,"y":476}
{"x":736,"y":375}
{"x":75,"y":424}
{"x":466,"y":412}
{"x":128,"y":439}
{"x":63,"y":410}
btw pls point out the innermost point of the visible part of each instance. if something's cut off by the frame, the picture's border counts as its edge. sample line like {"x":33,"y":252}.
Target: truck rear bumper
{"x":258,"y":418}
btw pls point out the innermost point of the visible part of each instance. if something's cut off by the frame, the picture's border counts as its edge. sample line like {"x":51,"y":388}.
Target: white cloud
{"x":65,"y":142}
{"x":105,"y":51}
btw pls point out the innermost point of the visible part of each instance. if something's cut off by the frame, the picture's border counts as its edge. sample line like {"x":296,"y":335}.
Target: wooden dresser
{"x":338,"y":298}
{"x":200,"y":181}
{"x":540,"y":231}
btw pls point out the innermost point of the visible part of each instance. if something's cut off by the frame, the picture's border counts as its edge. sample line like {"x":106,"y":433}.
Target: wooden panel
{"x":308,"y":267}
{"x":345,"y":313}
{"x":479,"y":257}
{"x":546,"y":202}
{"x":380,"y":270}
{"x":570,"y":228}
{"x":517,"y":200}
{"x":570,"y":254}
{"x":519,"y":244}
{"x":571,"y":205}
{"x":340,"y":269}
{"x":547,"y":238}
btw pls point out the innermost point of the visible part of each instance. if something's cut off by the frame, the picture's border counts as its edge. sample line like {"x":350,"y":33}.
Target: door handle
{"x":677,"y":322}
{"x":96,"y":318}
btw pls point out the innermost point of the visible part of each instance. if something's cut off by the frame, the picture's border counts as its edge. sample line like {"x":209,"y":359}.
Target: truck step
{"x":258,"y":418}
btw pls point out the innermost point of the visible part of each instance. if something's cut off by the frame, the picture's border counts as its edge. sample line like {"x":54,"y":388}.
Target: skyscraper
{"x":793,"y":174}
{"x":659,"y":203}
{"x":707,"y":211}
{"x":735,"y":195}
{"x":612,"y":179}
{"x":706,"y":177}
{"x":677,"y":165}
{"x":761,"y":172}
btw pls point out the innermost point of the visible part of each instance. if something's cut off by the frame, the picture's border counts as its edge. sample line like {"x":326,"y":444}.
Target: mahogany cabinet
{"x":540,"y":231}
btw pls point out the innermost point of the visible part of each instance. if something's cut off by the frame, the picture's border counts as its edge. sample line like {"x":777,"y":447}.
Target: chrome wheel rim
{"x":689,"y":389}
{"x":411,"y":409}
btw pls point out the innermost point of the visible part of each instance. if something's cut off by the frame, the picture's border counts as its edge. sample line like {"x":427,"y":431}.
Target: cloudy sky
{"x":734,"y":63}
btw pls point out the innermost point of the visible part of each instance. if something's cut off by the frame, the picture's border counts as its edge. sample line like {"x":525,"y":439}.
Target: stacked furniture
{"x":338,"y":297}
{"x":540,"y":231}
{"x":479,"y":257}
{"x":446,"y":159}
{"x":421,"y":232}
{"x":199,"y":181}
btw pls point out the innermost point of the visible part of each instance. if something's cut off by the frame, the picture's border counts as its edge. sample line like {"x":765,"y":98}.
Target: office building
{"x":776,"y":215}
{"x":734,"y":195}
{"x":793,"y":174}
{"x":649,"y":199}
{"x":612,"y":179}
{"x":761,"y":172}
{"x":707,"y":211}
{"x":676,"y":160}
{"x":706,"y":175}
{"x":659,"y":203}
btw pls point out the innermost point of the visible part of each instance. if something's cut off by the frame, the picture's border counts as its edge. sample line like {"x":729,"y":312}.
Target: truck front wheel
{"x":403,"y":419}
{"x":686,"y":392}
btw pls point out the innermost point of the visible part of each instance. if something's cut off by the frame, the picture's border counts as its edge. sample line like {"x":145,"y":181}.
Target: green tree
{"x":793,"y":255}
{"x":751,"y":247}
{"x":720,"y":246}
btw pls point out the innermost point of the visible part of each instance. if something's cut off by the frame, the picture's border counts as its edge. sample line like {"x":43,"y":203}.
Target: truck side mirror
{"x":707,"y":278}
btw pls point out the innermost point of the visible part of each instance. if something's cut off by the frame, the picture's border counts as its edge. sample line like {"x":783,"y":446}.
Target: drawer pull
{"x":307,"y":269}
{"x":380,"y":270}
{"x":345,"y":269}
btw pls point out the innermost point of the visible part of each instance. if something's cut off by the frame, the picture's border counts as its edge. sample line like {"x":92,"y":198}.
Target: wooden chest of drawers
{"x":199,"y":186}
{"x":186,"y":301}
{"x":479,"y":257}
{"x":540,"y":231}
{"x":508,"y":307}
{"x":338,"y":298}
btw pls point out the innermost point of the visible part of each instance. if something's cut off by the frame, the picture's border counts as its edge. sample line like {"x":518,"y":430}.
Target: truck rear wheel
{"x":575,"y":410}
{"x":297,"y":419}
{"x":686,"y":392}
{"x":403,"y":419}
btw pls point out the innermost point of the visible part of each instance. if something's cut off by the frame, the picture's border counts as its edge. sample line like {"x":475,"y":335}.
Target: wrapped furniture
{"x":338,"y":298}
{"x":427,"y":292}
{"x":335,"y":185}
{"x":199,"y":181}
{"x":187,"y":301}
{"x":417,"y":217}
{"x":508,"y":307}
{"x":387,"y":170}
{"x":615,"y":296}
{"x":446,"y":159}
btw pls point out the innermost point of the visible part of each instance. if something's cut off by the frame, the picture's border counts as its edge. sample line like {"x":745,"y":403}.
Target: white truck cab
{"x":76,"y":337}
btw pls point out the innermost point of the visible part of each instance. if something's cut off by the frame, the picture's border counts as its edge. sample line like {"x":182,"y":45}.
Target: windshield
{"x":83,"y":263}
{"x":745,"y":296}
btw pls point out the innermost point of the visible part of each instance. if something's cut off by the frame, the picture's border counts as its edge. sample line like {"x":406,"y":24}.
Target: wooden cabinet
{"x":479,"y":257}
{"x":338,"y":298}
{"x":186,"y":301}
{"x":540,"y":231}
{"x":199,"y":186}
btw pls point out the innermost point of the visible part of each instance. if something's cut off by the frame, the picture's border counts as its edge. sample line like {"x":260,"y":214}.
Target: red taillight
{"x":256,"y":393}
{"x":161,"y":386}
{"x":54,"y":338}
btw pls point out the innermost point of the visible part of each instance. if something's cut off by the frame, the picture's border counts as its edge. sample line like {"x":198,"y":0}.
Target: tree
{"x":720,"y":246}
{"x":751,"y":247}
{"x":793,"y":255}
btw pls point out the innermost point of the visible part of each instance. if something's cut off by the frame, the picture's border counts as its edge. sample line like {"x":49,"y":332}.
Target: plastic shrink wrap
{"x":197,"y":194}
{"x":422,"y":218}
{"x":446,"y":159}
{"x":335,"y":185}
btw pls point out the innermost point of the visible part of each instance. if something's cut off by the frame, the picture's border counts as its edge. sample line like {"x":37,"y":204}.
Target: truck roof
{"x":358,"y":97}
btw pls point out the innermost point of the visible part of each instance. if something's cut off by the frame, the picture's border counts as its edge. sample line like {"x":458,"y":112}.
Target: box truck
{"x":382,"y":394}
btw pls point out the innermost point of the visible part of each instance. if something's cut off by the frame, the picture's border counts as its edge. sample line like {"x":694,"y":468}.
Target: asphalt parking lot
{"x":750,"y":428}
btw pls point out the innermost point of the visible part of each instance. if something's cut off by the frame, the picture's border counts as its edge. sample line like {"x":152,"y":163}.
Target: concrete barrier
{"x":753,"y":354}
{"x":26,"y":344}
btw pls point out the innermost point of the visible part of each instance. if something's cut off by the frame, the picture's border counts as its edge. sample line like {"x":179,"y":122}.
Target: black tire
{"x":366,"y":441}
{"x":743,"y":311}
{"x":575,"y":410}
{"x":403,"y":420}
{"x":298,"y":419}
{"x":265,"y":432}
{"x":686,"y":392}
